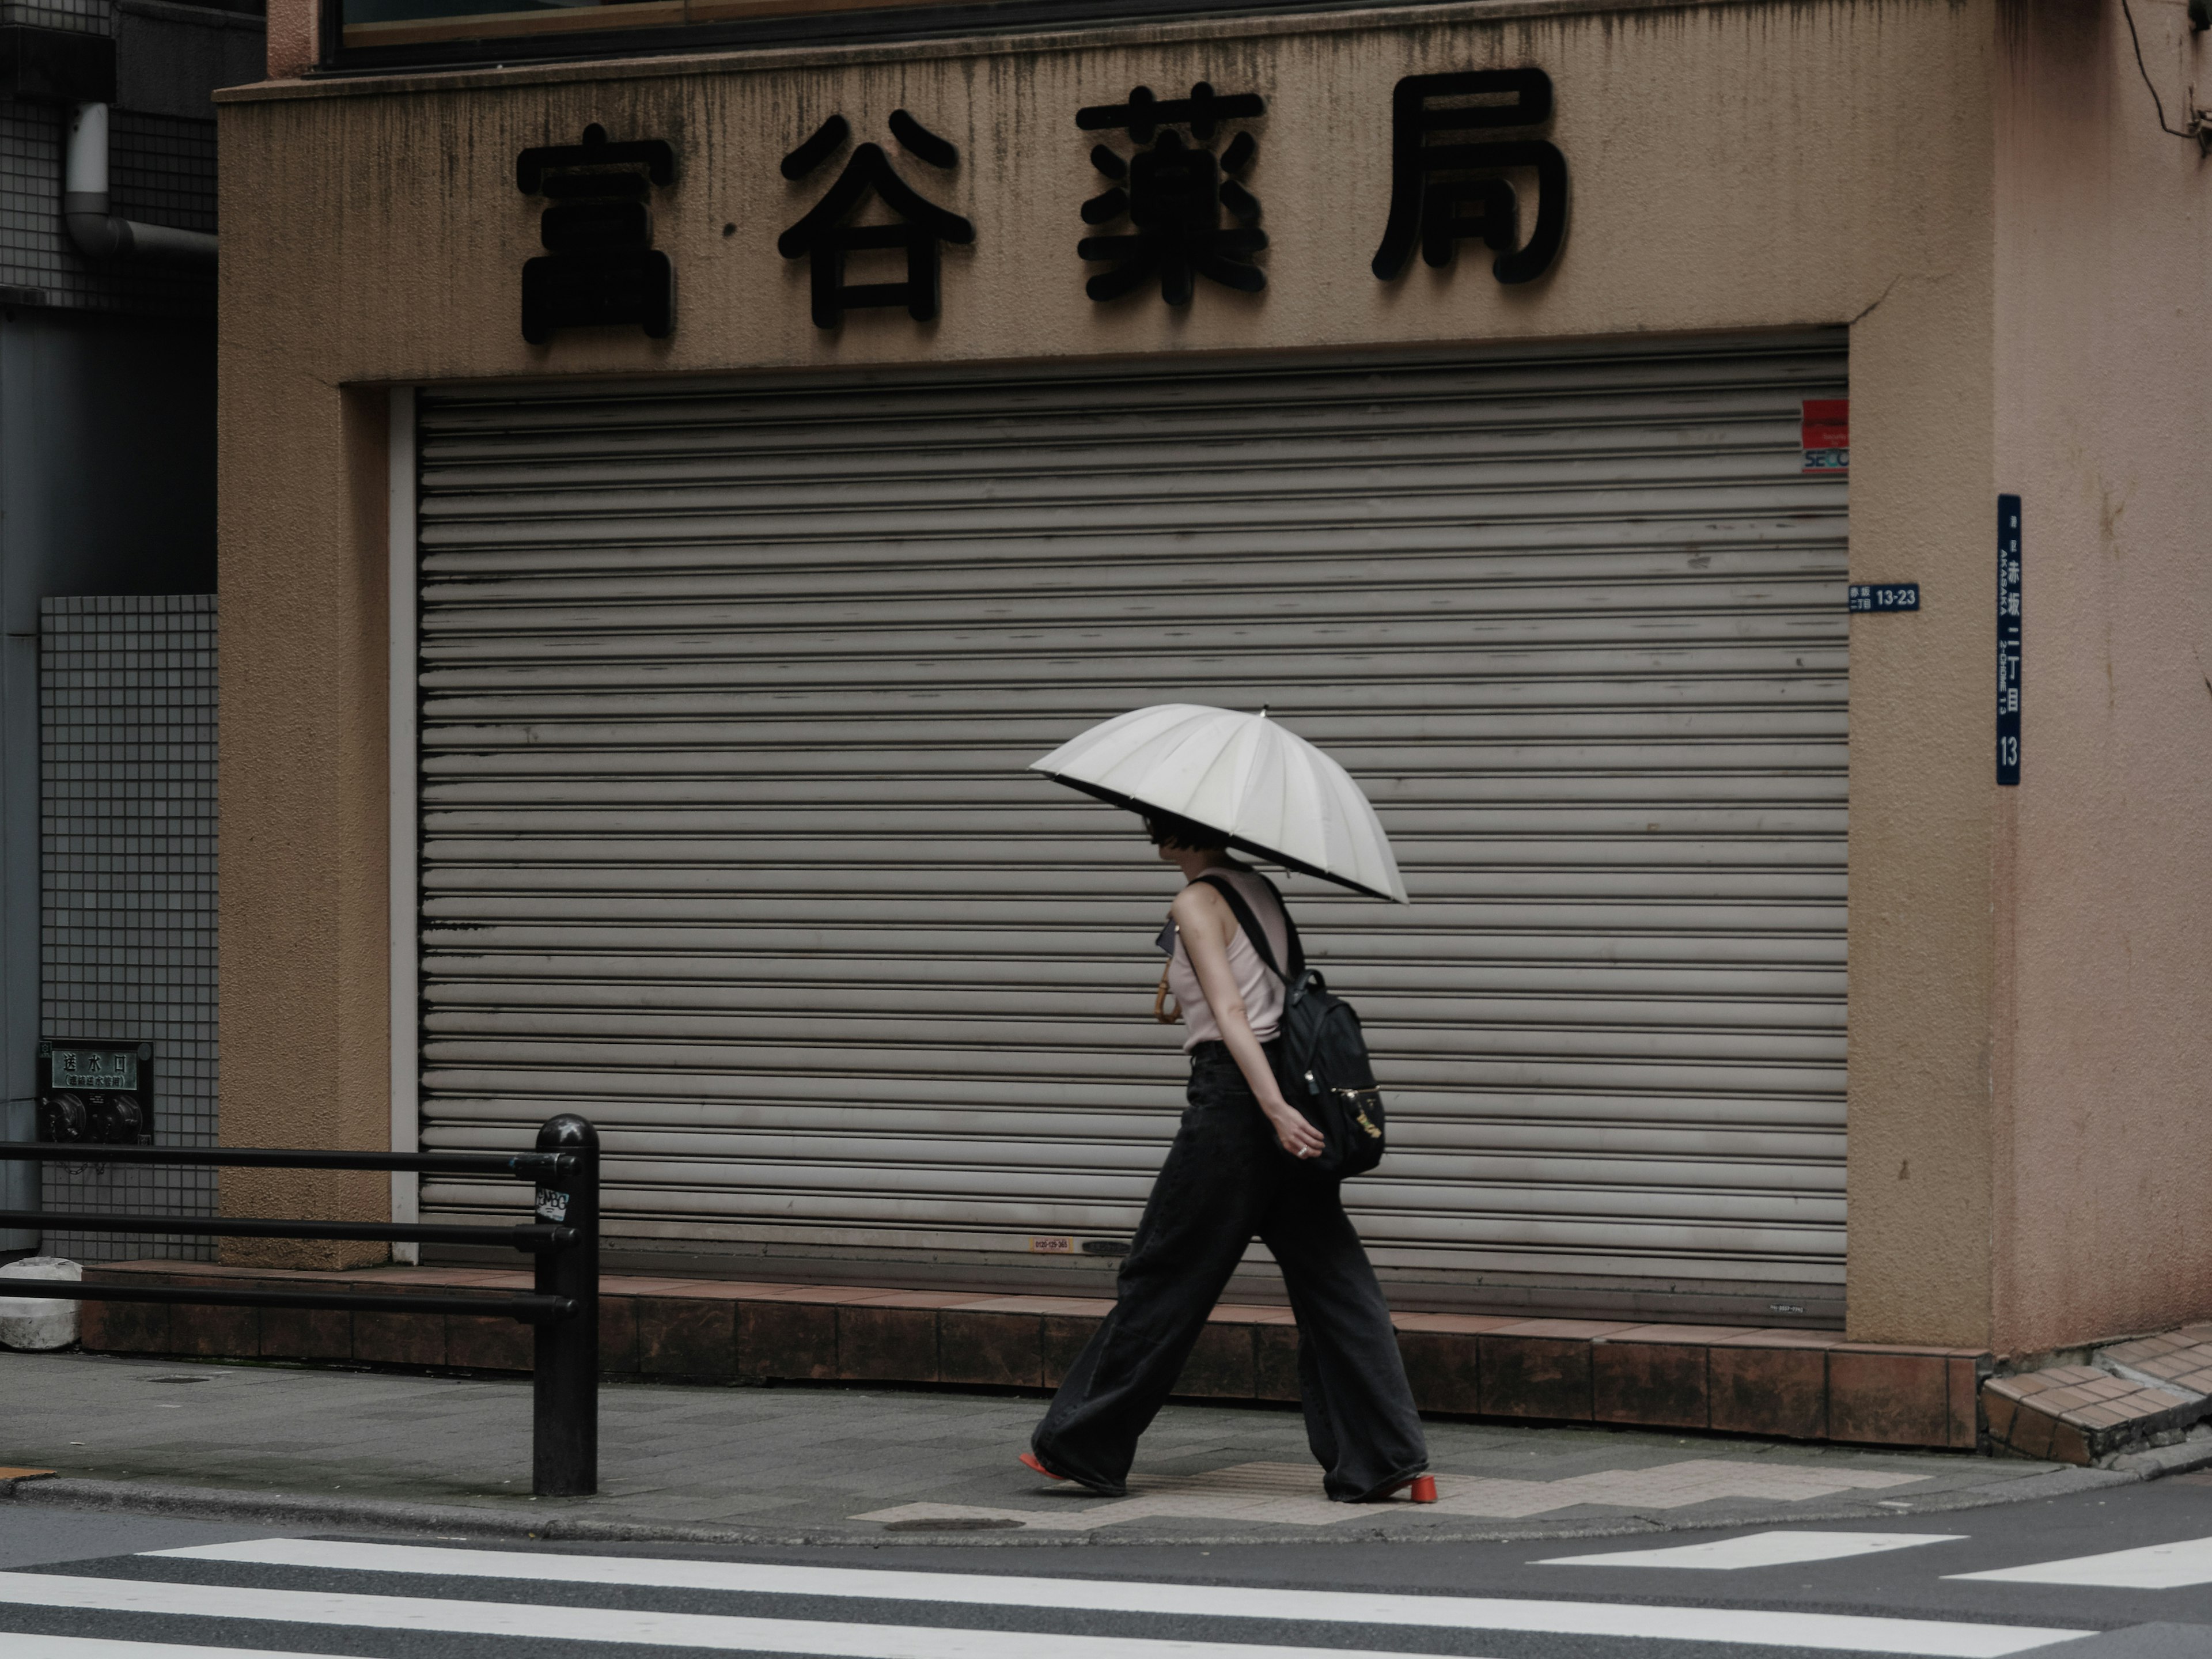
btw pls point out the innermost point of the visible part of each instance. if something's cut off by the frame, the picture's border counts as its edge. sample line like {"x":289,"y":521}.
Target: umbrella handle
{"x":1162,"y":1009}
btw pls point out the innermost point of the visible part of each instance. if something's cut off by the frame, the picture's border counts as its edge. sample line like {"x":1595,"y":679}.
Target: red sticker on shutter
{"x":1827,"y":431}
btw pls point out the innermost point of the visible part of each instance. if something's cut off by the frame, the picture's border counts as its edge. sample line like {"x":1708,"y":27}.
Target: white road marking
{"x":2155,"y":1566}
{"x":1761,"y":1549}
{"x":1289,"y":1494}
{"x":611,"y":1625}
{"x":1836,"y":1633}
{"x":19,"y":1646}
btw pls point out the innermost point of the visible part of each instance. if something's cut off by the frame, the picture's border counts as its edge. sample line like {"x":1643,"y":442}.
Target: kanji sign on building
{"x":599,"y":266}
{"x":1447,"y":188}
{"x":1173,"y":191}
{"x":827,"y":236}
{"x":1465,"y":150}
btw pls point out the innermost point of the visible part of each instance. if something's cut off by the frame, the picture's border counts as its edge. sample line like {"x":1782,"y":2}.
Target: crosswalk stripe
{"x":2185,"y":1562}
{"x":1760,"y":1549}
{"x":610,"y":1624}
{"x":19,"y":1646}
{"x":1832,"y":1632}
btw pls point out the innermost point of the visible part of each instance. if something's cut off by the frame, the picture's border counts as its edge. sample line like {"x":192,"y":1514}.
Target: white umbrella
{"x":1267,"y":788}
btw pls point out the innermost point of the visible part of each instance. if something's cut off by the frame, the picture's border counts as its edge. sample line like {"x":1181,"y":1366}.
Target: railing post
{"x":565,"y":1389}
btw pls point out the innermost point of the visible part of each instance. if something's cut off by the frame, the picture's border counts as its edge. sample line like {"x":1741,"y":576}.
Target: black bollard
{"x":565,"y":1424}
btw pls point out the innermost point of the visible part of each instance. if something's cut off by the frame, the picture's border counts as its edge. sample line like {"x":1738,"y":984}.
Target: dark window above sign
{"x":373,"y":34}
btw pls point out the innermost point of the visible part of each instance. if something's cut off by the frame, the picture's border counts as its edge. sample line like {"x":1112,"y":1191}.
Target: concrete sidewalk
{"x":352,"y":1449}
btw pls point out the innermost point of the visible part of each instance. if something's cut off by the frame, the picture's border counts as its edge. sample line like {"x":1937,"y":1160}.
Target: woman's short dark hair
{"x":1172,"y":829}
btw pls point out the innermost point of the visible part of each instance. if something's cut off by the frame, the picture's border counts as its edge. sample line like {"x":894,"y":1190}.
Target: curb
{"x":382,"y":1515}
{"x":2194,"y":1453}
{"x":1472,"y":1365}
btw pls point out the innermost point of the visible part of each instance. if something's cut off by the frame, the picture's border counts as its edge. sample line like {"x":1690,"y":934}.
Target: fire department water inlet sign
{"x":95,"y":1068}
{"x":100,"y":1092}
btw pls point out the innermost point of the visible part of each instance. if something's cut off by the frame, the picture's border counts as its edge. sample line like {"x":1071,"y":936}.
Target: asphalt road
{"x":75,"y":1584}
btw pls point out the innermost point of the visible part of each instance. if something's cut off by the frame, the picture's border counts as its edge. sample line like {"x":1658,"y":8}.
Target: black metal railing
{"x":563,"y":1306}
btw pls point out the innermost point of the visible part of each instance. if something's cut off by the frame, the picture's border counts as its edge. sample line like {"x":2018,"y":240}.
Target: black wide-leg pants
{"x":1225,"y":1179}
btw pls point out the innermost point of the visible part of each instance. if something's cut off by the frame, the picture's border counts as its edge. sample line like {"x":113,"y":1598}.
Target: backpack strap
{"x":1253,"y":931}
{"x":1290,"y":928}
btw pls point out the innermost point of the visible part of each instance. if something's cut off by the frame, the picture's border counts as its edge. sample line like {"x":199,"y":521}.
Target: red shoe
{"x":1030,"y":1460}
{"x":1421,"y":1488}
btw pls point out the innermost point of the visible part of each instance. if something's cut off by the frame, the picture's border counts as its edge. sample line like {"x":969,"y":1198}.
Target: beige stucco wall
{"x":2103,"y":1015}
{"x":301,"y":779}
{"x":291,"y":37}
{"x":1733,"y":166}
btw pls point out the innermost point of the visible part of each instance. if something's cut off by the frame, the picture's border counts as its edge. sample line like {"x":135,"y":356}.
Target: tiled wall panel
{"x":127,"y":884}
{"x":161,"y":170}
{"x":82,"y":16}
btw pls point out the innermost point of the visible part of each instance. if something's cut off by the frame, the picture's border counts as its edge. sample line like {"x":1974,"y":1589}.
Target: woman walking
{"x":1238,"y":1166}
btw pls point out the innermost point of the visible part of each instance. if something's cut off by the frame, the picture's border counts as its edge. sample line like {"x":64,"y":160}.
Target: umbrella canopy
{"x":1267,"y":788}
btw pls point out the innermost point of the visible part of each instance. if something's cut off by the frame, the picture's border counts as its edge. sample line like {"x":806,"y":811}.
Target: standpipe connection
{"x":100,"y":233}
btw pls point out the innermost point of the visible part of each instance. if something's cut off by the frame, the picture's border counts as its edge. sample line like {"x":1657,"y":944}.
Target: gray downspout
{"x":105,"y":235}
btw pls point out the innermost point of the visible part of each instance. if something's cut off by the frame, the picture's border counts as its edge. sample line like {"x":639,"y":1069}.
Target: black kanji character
{"x":599,"y":266}
{"x":1443,"y":193}
{"x":1173,"y":193}
{"x":824,"y":236}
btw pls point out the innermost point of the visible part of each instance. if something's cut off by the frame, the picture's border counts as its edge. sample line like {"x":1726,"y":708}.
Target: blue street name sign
{"x":2009,"y":639}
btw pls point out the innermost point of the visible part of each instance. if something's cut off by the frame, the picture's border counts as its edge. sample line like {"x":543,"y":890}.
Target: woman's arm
{"x":1203,"y":918}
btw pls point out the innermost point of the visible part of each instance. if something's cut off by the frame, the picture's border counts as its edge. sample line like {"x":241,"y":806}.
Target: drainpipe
{"x":105,"y":235}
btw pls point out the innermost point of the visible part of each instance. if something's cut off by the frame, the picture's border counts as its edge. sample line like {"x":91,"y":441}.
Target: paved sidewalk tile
{"x":852,"y":1460}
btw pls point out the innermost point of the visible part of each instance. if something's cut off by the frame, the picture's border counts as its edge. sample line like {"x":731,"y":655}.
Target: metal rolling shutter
{"x":727,"y":691}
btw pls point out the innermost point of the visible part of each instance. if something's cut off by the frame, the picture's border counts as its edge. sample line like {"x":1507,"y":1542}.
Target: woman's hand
{"x":1292,"y":1133}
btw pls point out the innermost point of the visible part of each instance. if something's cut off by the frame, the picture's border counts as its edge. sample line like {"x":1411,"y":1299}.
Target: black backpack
{"x":1322,"y":1067}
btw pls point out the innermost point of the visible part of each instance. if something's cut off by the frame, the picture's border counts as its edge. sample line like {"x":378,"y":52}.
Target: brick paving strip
{"x":2139,"y":1393}
{"x":1286,"y":1494}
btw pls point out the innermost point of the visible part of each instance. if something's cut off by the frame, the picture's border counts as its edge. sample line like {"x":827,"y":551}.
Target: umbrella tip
{"x":1263,"y":711}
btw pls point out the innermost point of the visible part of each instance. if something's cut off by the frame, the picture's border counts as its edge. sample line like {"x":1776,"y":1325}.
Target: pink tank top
{"x":1262,"y":990}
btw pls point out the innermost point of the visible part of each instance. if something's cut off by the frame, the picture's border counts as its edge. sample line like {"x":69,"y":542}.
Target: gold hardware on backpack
{"x":1355,"y":1102}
